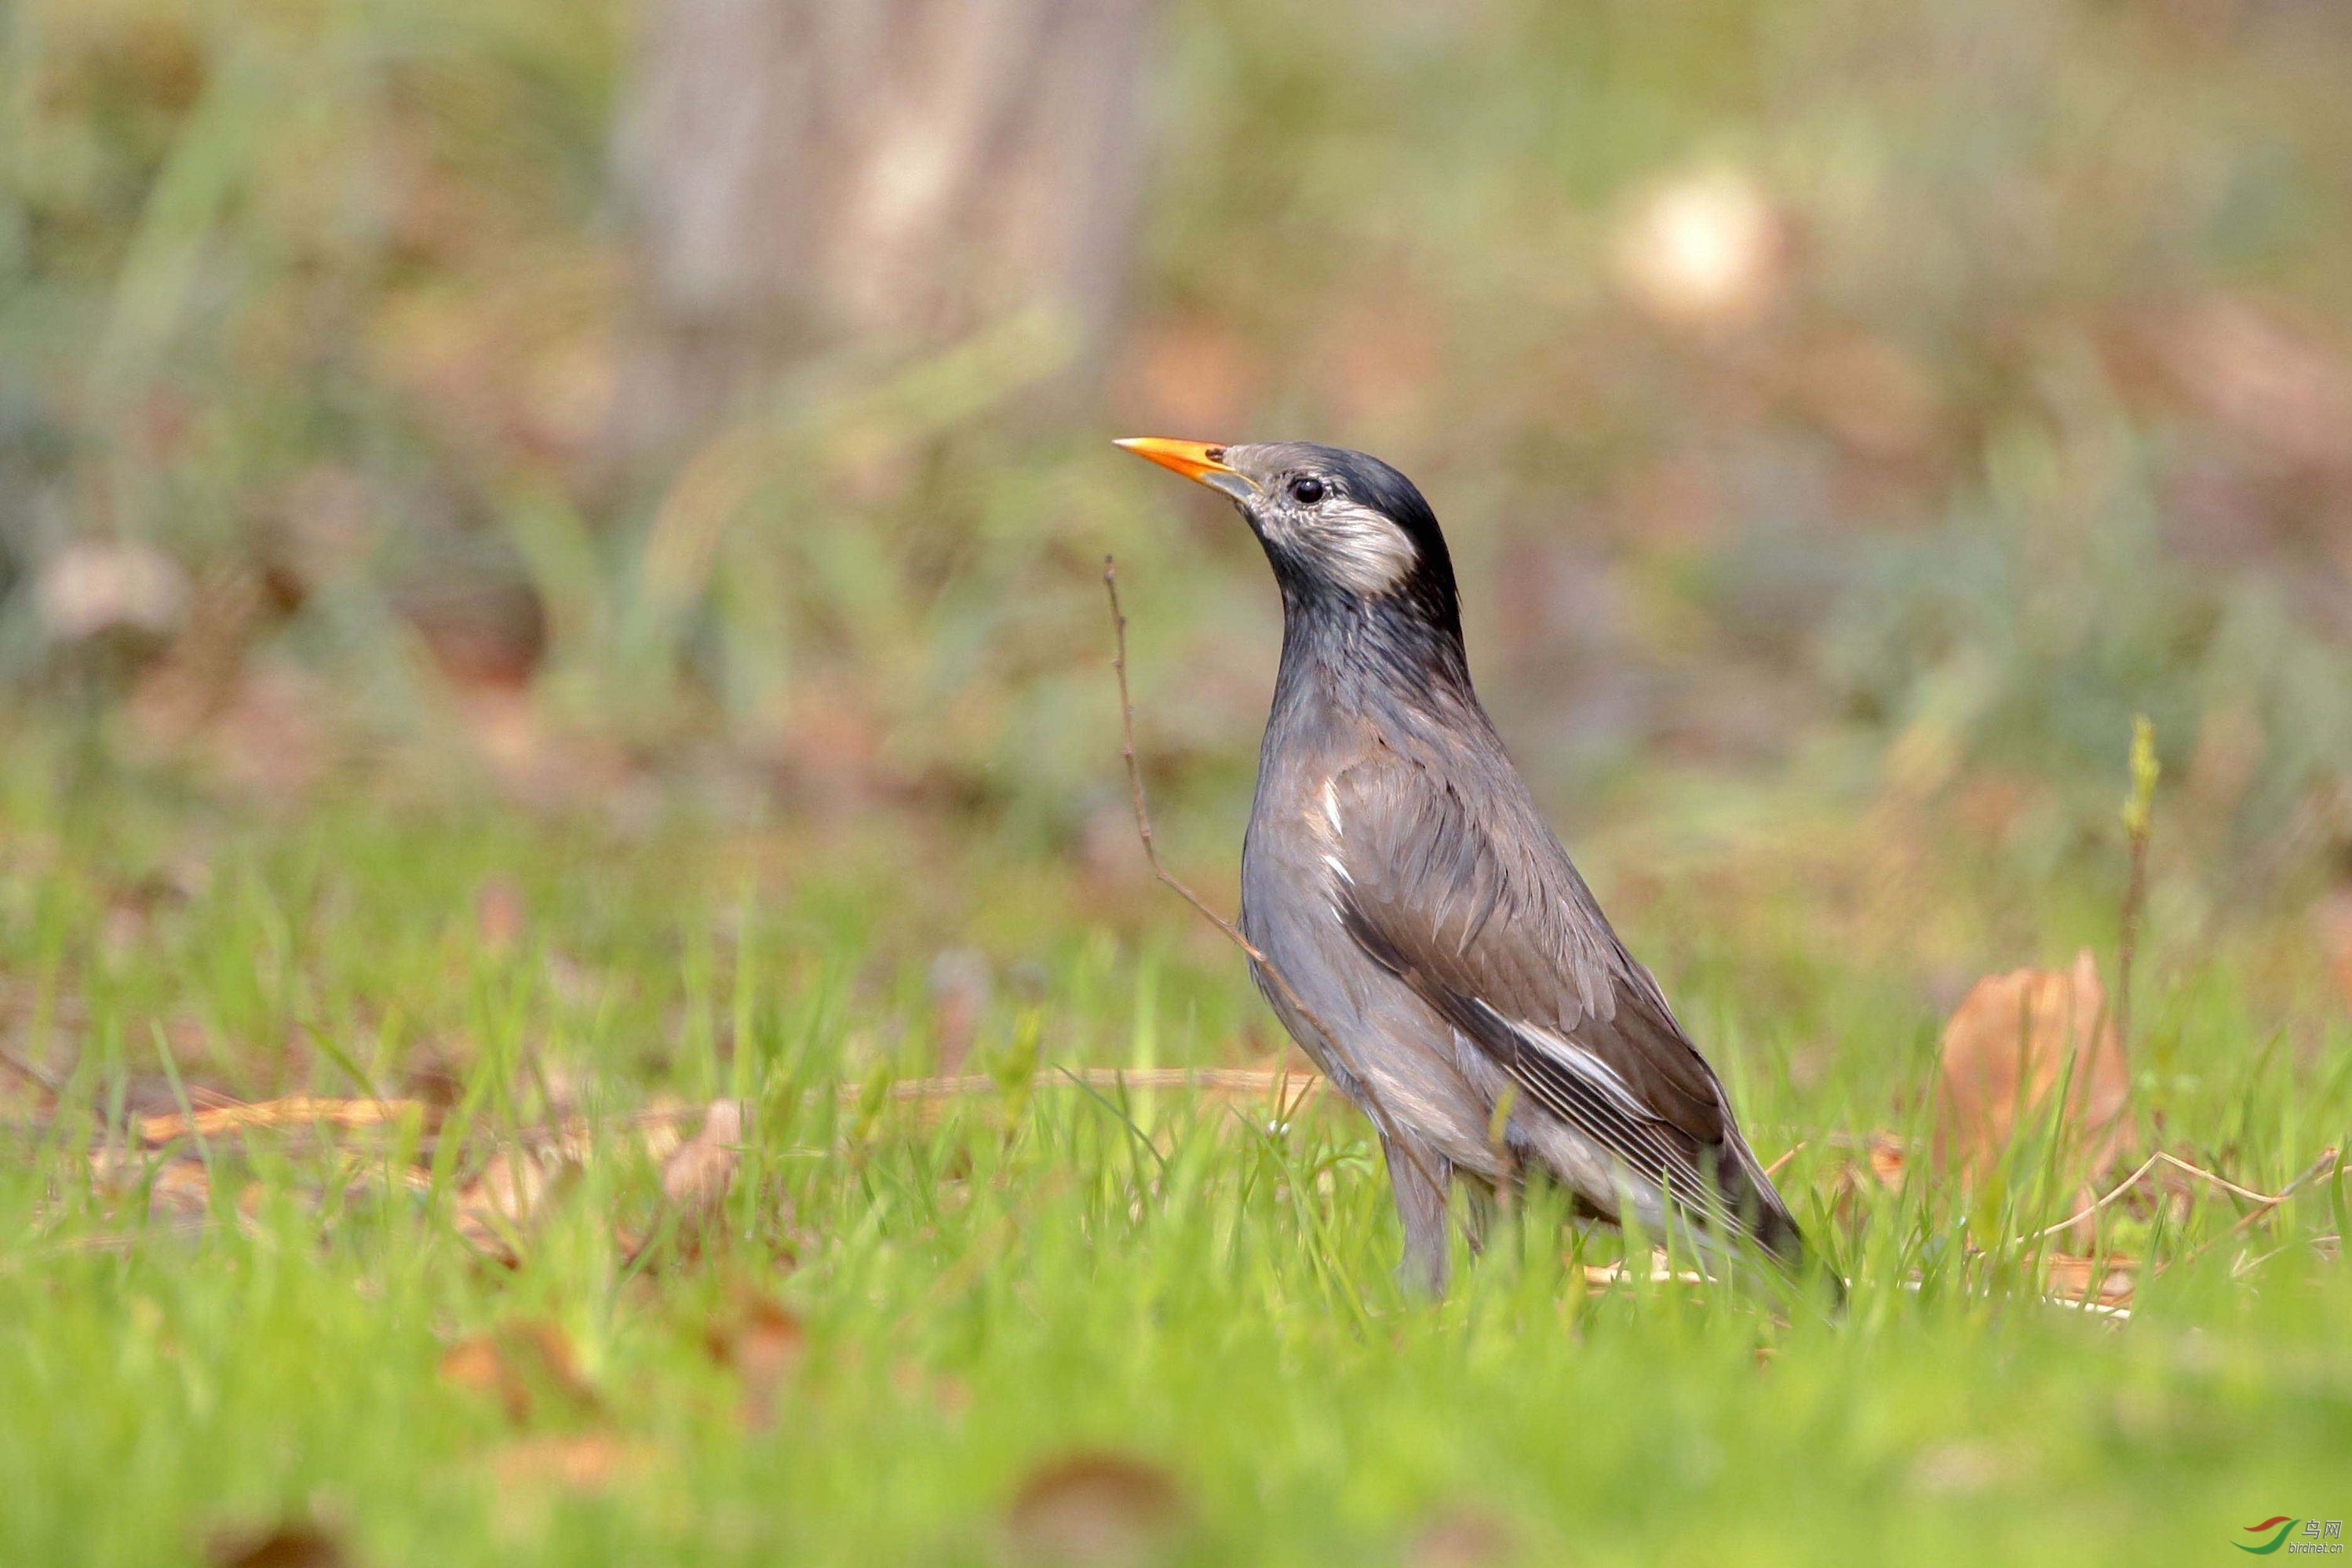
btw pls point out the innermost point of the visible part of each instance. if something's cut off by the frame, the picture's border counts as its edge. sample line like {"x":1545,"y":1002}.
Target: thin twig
{"x":2263,"y":1201}
{"x":1395,"y":1139}
{"x":2245,"y":1266}
{"x":2327,"y":1164}
{"x":300,"y":1111}
{"x":1212,"y":1080}
{"x":1143,"y":817}
{"x":302,"y":1114}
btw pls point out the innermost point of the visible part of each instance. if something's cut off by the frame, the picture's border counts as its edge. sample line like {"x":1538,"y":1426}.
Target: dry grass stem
{"x":2263,"y":1201}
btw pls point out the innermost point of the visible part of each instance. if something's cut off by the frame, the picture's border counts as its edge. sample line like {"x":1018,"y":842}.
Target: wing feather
{"x":1508,"y":946}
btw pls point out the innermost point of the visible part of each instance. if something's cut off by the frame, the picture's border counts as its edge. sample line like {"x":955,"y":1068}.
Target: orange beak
{"x":1198,"y":461}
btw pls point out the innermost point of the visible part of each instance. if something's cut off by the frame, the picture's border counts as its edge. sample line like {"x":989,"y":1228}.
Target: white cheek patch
{"x":1362,"y":549}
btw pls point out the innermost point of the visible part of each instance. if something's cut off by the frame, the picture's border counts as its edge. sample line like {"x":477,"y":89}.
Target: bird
{"x":1415,"y":923}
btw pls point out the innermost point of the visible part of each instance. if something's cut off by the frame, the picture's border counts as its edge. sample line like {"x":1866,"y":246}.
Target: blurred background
{"x":1848,"y":414}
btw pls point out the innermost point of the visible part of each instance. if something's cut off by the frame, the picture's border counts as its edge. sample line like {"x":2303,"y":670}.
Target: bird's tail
{"x":1761,"y":1212}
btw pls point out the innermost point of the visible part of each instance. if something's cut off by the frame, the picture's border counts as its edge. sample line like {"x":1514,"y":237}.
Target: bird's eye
{"x":1307,"y":491}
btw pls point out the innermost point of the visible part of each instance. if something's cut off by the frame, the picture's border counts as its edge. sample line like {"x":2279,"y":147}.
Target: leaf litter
{"x":2014,"y":1039}
{"x":1097,"y":1507}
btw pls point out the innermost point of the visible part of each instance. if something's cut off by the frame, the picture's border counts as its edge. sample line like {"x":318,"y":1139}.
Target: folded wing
{"x":1508,"y":946}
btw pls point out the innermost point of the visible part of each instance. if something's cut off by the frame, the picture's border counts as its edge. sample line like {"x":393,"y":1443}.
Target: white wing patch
{"x":1585,"y":1064}
{"x":1326,"y":830}
{"x":1683,"y":1180}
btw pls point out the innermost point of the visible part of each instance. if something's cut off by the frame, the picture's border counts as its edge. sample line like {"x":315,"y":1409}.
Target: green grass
{"x":1018,"y":1274}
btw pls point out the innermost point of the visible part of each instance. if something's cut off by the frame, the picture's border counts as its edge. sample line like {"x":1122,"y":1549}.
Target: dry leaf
{"x":918,"y":1384}
{"x":2013,"y":1039}
{"x":527,"y":1365}
{"x":1460,"y":1537}
{"x":435,"y":1080}
{"x":501,"y":1204}
{"x":767,"y":1341}
{"x":1958,"y":1468}
{"x":294,"y":1545}
{"x":583,"y":1461}
{"x":2331,"y":917}
{"x":499,"y":916}
{"x":1875,"y":1163}
{"x":762,"y":1341}
{"x":695,"y":1178}
{"x":1096,"y":1507}
{"x":1887,"y":1159}
{"x":182,"y":1190}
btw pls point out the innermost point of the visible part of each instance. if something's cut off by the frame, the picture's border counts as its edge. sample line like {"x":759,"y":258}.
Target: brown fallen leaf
{"x":498,"y":914}
{"x":495,"y":1210}
{"x":697,"y":1176}
{"x":296,"y":1543}
{"x":182,"y":1190}
{"x":1460,"y":1537}
{"x":2331,"y":919}
{"x":583,"y":1461}
{"x":1960,"y":1468}
{"x":527,"y":1364}
{"x":1889,"y":1158}
{"x":435,"y":1079}
{"x":762,"y":1340}
{"x":1865,"y":1166}
{"x":918,"y":1384}
{"x":1096,"y":1508}
{"x":2005,"y":1050}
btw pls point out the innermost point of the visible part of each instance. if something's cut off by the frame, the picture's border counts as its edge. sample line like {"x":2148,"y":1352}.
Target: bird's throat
{"x":1369,"y":656}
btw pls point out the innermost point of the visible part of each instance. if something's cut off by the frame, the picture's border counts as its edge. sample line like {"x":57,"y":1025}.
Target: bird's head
{"x":1342,"y":530}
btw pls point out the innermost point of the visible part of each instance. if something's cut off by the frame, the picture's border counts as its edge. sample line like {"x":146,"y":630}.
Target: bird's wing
{"x":1494,"y":929}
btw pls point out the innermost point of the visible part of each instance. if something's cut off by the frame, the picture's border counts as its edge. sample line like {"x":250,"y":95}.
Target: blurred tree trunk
{"x":888,"y":173}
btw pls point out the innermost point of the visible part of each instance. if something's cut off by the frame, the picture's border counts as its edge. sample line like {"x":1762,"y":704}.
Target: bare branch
{"x":1265,"y":966}
{"x":1143,"y":820}
{"x":2263,"y":1201}
{"x":2329,"y":1161}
